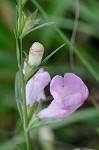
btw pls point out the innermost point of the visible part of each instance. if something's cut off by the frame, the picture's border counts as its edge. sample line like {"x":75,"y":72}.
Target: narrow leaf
{"x":18,"y":94}
{"x":31,"y":72}
{"x":46,"y":122}
{"x":39,"y":108}
{"x":36,"y":28}
{"x":18,"y":52}
{"x":34,"y":14}
{"x":50,"y":55}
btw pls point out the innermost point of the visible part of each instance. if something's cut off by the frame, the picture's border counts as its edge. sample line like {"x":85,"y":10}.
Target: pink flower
{"x":35,"y":87}
{"x":69,"y":93}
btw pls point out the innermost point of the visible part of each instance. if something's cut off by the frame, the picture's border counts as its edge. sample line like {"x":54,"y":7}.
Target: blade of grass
{"x":86,"y":62}
{"x":82,"y":27}
{"x":50,"y":55}
{"x":83,"y":56}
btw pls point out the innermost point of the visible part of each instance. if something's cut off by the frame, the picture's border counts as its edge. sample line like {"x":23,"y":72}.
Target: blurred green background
{"x":81,"y":128}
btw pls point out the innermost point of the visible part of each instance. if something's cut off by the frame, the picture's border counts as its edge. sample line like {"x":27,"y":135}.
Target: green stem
{"x":27,"y":136}
{"x":20,"y":65}
{"x":20,"y":17}
{"x":25,"y":125}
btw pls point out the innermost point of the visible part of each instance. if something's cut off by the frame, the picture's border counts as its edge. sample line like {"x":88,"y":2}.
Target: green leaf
{"x":34,"y":14}
{"x":36,"y":28}
{"x":39,"y":108}
{"x":50,"y":55}
{"x":18,"y":94}
{"x":18,"y":52}
{"x":31,"y":71}
{"x":18,"y":87}
{"x":46,"y":122}
{"x":29,"y":24}
{"x":32,"y":111}
{"x":26,"y":55}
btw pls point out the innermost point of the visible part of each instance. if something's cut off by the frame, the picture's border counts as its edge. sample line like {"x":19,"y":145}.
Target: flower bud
{"x":29,"y":24}
{"x":36,"y":54}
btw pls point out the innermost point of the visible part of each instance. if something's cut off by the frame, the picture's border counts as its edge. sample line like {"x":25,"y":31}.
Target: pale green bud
{"x":36,"y":54}
{"x":29,"y":24}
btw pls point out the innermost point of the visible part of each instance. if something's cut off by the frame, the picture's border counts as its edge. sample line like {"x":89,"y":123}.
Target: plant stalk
{"x":23,"y":85}
{"x":20,"y":16}
{"x":25,"y":125}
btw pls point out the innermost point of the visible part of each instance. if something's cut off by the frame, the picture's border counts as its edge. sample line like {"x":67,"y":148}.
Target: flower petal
{"x":41,"y":96}
{"x":56,"y":86}
{"x":52,"y":111}
{"x":72,"y":103}
{"x":42,"y":79}
{"x":85,"y":92}
{"x":30,"y":92}
{"x":41,"y":70}
{"x":35,"y":87}
{"x":55,"y":110}
{"x":69,"y":94}
{"x":72,"y":84}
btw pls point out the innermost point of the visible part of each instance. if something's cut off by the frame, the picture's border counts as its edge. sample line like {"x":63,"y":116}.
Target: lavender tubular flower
{"x":35,"y":87}
{"x":69,"y":93}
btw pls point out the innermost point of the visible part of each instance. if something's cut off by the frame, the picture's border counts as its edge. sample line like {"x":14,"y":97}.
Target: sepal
{"x":30,"y":71}
{"x":30,"y":22}
{"x":35,"y":109}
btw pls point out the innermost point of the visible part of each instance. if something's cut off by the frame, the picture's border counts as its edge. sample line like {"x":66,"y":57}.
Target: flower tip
{"x":36,"y":54}
{"x":37,"y":49}
{"x":86,"y":92}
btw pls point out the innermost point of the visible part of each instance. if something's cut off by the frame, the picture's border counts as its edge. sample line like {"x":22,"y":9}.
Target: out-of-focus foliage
{"x":80,"y":129}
